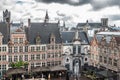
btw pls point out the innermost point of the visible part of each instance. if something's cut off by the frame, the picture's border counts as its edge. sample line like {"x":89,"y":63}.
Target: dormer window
{"x":52,"y":38}
{"x":38,"y":40}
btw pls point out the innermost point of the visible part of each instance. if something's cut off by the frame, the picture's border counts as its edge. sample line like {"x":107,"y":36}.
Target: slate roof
{"x":68,"y":36}
{"x":44,"y":30}
{"x":92,"y":25}
{"x":4,"y":31}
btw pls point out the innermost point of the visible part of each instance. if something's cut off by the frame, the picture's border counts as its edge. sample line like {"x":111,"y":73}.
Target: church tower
{"x":46,"y":17}
{"x":6,"y":16}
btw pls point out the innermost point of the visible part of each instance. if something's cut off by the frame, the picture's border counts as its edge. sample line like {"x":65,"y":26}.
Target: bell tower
{"x":6,"y":16}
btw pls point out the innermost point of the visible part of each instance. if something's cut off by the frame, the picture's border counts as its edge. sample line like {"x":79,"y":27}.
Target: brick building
{"x":39,"y":44}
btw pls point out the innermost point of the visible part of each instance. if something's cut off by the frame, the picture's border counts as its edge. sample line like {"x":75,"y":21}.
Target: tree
{"x":18,"y":64}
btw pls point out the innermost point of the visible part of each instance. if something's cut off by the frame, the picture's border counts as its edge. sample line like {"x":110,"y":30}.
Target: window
{"x":26,"y":48}
{"x":3,"y":49}
{"x":100,"y":58}
{"x":48,"y":63}
{"x":26,"y":57}
{"x":110,"y":61}
{"x":21,"y":49}
{"x":15,"y":49}
{"x":43,"y":64}
{"x":52,"y":55}
{"x":3,"y":67}
{"x":59,"y":46}
{"x":0,"y":49}
{"x":10,"y":49}
{"x":85,"y":59}
{"x":56,"y":47}
{"x":105,"y":60}
{"x":4,"y":57}
{"x":10,"y":58}
{"x":0,"y":67}
{"x":32,"y":49}
{"x":32,"y":65}
{"x":43,"y":56}
{"x":52,"y":63}
{"x":15,"y":58}
{"x":79,"y":49}
{"x":0,"y":57}
{"x":56,"y":54}
{"x":38,"y":57}
{"x":38,"y":48}
{"x":15,"y":40}
{"x":32,"y":57}
{"x":43,"y":48}
{"x":74,"y":49}
{"x":56,"y":63}
{"x":48,"y":55}
{"x":21,"y":58}
{"x":52,"y":46}
{"x":38,"y":64}
{"x":115,"y":62}
{"x":59,"y":54}
{"x":21,"y":40}
{"x":59,"y":62}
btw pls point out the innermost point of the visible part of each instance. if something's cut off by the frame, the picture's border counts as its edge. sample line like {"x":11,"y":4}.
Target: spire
{"x":76,"y":37}
{"x":86,"y":21}
{"x":46,"y":17}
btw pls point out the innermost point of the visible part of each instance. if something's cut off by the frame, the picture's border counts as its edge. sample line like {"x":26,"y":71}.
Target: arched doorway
{"x":76,"y":66}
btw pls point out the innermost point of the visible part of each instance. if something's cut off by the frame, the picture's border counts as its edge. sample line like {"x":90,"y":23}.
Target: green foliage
{"x":18,"y":64}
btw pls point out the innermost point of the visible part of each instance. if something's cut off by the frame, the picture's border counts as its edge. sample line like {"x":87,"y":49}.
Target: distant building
{"x":93,"y":28}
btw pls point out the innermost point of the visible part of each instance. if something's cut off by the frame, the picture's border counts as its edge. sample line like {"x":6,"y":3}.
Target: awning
{"x":44,"y":69}
{"x":40,"y":69}
{"x":58,"y":68}
{"x":12,"y":71}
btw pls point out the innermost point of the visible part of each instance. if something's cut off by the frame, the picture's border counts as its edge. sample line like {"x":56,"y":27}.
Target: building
{"x":94,"y":27}
{"x":39,"y":44}
{"x":94,"y":56}
{"x":105,"y":54}
{"x":75,"y":50}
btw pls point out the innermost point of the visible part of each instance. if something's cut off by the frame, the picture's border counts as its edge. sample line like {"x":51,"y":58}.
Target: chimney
{"x":29,"y":22}
{"x":104,"y":22}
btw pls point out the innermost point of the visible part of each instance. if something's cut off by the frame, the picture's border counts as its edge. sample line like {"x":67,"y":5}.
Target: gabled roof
{"x":44,"y":30}
{"x":4,"y":31}
{"x":92,"y":25}
{"x":68,"y":36}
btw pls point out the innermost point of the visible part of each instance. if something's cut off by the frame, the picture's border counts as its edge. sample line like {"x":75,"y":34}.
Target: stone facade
{"x":75,"y":51}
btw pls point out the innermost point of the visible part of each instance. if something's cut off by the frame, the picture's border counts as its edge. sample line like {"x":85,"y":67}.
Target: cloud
{"x":114,"y":17}
{"x":96,"y":4}
{"x":70,"y":2}
{"x":100,"y":4}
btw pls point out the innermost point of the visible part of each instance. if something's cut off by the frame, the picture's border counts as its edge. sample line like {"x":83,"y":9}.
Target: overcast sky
{"x":70,"y":11}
